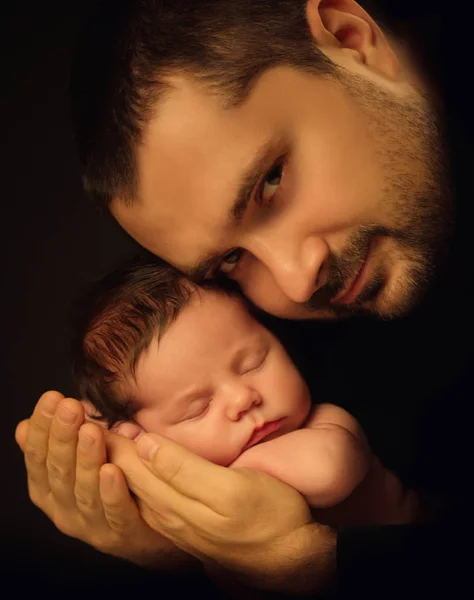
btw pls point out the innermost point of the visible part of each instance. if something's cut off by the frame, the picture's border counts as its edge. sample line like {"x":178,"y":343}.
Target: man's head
{"x":282,"y":143}
{"x":190,"y":363}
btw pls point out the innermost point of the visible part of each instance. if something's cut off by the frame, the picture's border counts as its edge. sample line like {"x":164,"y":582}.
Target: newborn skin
{"x":219,"y":383}
{"x":330,"y":463}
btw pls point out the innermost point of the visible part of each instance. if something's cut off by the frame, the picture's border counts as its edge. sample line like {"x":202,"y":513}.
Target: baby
{"x":193,"y":364}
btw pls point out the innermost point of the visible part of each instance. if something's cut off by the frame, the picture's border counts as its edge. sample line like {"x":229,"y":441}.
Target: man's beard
{"x":418,"y":198}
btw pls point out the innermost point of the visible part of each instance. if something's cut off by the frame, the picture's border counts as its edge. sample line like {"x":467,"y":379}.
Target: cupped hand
{"x":70,"y":480}
{"x":242,"y":519}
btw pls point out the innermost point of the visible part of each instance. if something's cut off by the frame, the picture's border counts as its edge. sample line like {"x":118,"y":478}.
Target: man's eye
{"x":263,"y":198}
{"x":270,"y":185}
{"x":229,"y":261}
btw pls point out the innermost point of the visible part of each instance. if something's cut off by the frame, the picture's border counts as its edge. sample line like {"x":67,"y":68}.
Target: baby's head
{"x":184,"y":361}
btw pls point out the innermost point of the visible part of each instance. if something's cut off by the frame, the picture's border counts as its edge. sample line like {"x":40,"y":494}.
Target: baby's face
{"x":215,"y":376}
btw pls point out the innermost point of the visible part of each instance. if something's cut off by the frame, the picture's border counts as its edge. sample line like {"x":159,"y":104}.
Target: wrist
{"x":314,"y":569}
{"x":167,"y":558}
{"x":304,"y":562}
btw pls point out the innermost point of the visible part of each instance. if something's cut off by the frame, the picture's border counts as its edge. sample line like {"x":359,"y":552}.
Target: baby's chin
{"x":224,"y":461}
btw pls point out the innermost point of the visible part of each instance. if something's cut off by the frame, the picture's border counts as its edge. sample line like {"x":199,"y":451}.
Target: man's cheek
{"x":258,"y":285}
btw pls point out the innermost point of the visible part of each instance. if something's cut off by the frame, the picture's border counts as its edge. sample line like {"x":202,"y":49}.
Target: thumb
{"x":188,"y":473}
{"x":148,"y":445}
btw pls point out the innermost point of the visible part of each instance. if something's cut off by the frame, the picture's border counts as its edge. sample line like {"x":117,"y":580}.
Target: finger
{"x":21,"y":432}
{"x":189,"y":474}
{"x":120,"y":508}
{"x":91,"y":455}
{"x":130,"y":430}
{"x":61,"y":460}
{"x":170,"y":509}
{"x":140,"y":479}
{"x":37,"y":443}
{"x":123,"y":453}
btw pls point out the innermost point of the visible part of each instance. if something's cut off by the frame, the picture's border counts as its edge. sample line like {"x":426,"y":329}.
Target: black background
{"x":54,"y":243}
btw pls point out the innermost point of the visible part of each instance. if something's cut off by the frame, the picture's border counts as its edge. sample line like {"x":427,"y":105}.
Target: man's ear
{"x":345,"y":25}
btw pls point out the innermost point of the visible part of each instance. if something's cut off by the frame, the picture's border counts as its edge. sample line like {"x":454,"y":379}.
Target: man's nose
{"x":298,"y":268}
{"x":240,"y":398}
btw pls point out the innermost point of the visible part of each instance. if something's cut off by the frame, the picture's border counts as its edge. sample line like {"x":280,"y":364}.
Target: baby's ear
{"x":128,"y":429}
{"x":91,"y":411}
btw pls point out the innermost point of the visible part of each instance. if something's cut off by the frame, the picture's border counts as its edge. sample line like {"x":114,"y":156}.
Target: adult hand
{"x":86,"y":498}
{"x":242,"y":519}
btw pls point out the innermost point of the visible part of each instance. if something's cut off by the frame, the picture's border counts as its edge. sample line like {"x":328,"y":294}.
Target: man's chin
{"x":336,"y":313}
{"x":388,"y":297}
{"x":382,"y":301}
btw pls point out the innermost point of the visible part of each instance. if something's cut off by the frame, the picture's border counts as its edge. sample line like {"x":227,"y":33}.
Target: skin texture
{"x":326,"y":460}
{"x":214,"y":376}
{"x":208,"y":521}
{"x":354,"y":166}
{"x":70,"y":480}
{"x":369,"y":176}
{"x":329,"y":461}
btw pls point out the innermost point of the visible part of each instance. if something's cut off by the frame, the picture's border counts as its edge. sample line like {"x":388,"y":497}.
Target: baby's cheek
{"x":222,"y":457}
{"x":206,"y":441}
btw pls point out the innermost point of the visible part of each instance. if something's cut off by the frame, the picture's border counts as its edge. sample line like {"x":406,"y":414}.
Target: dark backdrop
{"x":54,"y":243}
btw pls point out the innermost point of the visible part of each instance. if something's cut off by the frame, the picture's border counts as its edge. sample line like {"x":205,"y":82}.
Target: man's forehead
{"x":192,"y":159}
{"x":189,"y":165}
{"x":185,"y":104}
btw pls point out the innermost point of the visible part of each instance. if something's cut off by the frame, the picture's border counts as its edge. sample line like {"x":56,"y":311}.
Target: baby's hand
{"x":325,"y":465}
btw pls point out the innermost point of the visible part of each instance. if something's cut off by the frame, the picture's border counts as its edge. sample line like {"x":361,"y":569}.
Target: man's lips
{"x":260,"y":433}
{"x":355,"y":286}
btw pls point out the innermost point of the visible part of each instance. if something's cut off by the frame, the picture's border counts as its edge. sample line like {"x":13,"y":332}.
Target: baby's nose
{"x":241,"y":400}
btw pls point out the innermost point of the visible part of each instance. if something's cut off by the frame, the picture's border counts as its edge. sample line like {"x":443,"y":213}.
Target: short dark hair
{"x":130,"y":48}
{"x":115,"y":320}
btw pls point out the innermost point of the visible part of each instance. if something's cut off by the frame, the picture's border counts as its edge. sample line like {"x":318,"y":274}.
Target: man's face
{"x":322,"y":198}
{"x":216,"y":375}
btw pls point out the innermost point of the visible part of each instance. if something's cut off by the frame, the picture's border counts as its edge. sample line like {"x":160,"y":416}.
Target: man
{"x":293,"y":147}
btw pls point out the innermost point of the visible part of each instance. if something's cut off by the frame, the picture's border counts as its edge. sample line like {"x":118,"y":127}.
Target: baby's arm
{"x":325,"y":461}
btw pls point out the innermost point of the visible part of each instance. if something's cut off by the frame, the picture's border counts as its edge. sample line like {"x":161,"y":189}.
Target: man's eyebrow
{"x":258,"y":166}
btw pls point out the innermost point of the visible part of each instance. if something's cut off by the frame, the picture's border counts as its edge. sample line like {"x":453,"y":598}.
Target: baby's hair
{"x":115,"y":321}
